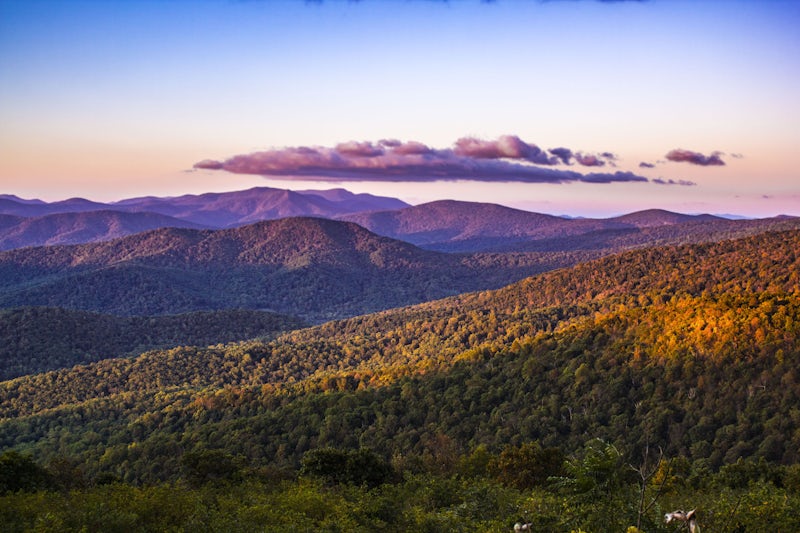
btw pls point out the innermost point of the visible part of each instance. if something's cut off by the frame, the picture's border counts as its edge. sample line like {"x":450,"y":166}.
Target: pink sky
{"x":114,"y":100}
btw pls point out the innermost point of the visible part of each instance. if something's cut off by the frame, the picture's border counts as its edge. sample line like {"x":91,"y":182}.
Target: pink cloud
{"x":589,"y":160}
{"x":688,"y":156}
{"x":412,"y":148}
{"x":505,"y":147}
{"x":363,"y":149}
{"x":506,"y":159}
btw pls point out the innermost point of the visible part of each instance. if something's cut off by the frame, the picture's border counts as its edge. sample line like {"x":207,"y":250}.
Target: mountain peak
{"x":661,"y":217}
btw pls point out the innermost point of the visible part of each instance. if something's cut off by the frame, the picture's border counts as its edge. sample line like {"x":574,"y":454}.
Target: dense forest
{"x":315,"y":268}
{"x":590,"y":398}
{"x":654,"y":378}
{"x":37,"y":339}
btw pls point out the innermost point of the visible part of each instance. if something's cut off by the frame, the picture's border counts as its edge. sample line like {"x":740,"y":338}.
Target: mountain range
{"x":453,"y":226}
{"x":315,"y":268}
{"x":190,"y":345}
{"x":447,"y":225}
{"x":690,"y":348}
{"x":34,"y":222}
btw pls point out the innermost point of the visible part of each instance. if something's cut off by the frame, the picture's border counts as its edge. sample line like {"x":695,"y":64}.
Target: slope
{"x":690,"y":348}
{"x":315,"y":268}
{"x":452,"y":226}
{"x":37,"y":339}
{"x":80,"y":227}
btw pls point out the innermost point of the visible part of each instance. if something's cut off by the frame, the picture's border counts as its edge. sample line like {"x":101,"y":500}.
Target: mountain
{"x":9,"y":221}
{"x":17,"y":199}
{"x":464,"y":226}
{"x":11,"y":205}
{"x":212,"y":210}
{"x":659,"y":217}
{"x":637,"y":231}
{"x":691,"y":349}
{"x":218,"y":210}
{"x":37,"y":339}
{"x":452,"y":226}
{"x":310,"y":267}
{"x":446,"y":226}
{"x":357,"y":202}
{"x":80,"y":227}
{"x":221,"y":210}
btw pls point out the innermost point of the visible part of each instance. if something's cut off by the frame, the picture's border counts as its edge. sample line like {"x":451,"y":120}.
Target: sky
{"x":570,"y":107}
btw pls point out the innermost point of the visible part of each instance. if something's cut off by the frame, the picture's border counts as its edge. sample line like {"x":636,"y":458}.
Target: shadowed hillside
{"x":80,"y":227}
{"x":37,"y":339}
{"x":315,"y":268}
{"x":691,"y":349}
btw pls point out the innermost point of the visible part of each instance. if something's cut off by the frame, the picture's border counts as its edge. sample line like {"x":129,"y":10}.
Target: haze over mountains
{"x":447,"y":225}
{"x":36,"y":225}
{"x":316,"y":255}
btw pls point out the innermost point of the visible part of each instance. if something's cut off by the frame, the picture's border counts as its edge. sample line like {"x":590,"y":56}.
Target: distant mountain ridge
{"x":230,"y":209}
{"x":77,"y":220}
{"x":311,"y":267}
{"x":452,"y":226}
{"x":449,"y":221}
{"x":81,"y":227}
{"x":444,"y":225}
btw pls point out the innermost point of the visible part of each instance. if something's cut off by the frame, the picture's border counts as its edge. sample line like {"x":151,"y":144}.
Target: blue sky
{"x":107,"y":100}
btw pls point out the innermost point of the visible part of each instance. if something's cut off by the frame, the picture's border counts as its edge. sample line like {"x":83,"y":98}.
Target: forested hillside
{"x":690,"y":350}
{"x":74,"y":228}
{"x":454,"y":226}
{"x":37,"y":339}
{"x":647,"y":234}
{"x":315,"y":268}
{"x":644,"y":346}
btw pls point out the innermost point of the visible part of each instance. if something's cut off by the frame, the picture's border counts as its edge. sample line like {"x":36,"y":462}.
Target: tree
{"x":20,"y":472}
{"x":203,"y":466}
{"x":599,"y":472}
{"x":361,"y":467}
{"x":527,"y":466}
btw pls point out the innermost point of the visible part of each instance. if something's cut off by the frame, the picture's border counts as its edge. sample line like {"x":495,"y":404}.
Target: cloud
{"x":646,"y":165}
{"x":662,"y":181}
{"x":564,"y":154}
{"x":589,"y":160}
{"x":364,"y":149}
{"x":505,"y":147}
{"x":412,"y":148}
{"x":506,"y":159}
{"x":687,"y":156}
{"x":209,"y":164}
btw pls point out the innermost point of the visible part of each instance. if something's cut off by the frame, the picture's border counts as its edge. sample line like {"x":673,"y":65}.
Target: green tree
{"x":203,"y":466}
{"x":20,"y":472}
{"x":359,"y":467}
{"x":528,"y":465}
